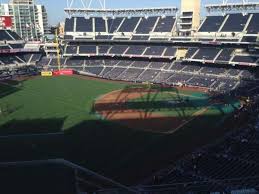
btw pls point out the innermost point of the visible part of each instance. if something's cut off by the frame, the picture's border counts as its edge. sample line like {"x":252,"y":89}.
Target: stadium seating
{"x":206,"y":53}
{"x":165,"y":24}
{"x":235,"y":23}
{"x":212,"y":24}
{"x":146,"y":25}
{"x":100,"y":25}
{"x":84,"y":25}
{"x":129,"y":24}
{"x":253,"y":27}
{"x":69,"y":25}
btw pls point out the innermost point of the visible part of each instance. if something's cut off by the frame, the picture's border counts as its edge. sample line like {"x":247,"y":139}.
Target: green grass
{"x":56,"y":97}
{"x":64,"y":104}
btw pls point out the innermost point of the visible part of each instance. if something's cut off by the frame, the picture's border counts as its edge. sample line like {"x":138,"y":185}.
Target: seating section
{"x":219,"y":78}
{"x":253,"y":27}
{"x":125,"y":50}
{"x":84,"y":25}
{"x":146,"y":25}
{"x":69,"y":24}
{"x":87,"y":49}
{"x":212,"y":24}
{"x":129,"y":24}
{"x":100,"y":25}
{"x":165,"y":24}
{"x":8,"y":35}
{"x":235,"y":23}
{"x":207,"y":53}
{"x":114,"y":24}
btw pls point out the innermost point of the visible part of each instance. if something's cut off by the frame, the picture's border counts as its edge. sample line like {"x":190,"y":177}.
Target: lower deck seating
{"x":214,"y":77}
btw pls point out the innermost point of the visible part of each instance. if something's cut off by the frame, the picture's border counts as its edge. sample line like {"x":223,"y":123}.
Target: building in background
{"x":29,"y":20}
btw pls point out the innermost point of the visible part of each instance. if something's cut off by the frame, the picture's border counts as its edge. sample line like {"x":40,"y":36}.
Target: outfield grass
{"x":56,"y":97}
{"x":65,"y":103}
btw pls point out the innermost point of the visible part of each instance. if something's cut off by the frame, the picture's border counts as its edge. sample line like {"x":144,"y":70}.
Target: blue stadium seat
{"x":155,"y":51}
{"x":113,"y":24}
{"x":84,"y":25}
{"x":165,"y":24}
{"x":146,"y":25}
{"x":87,"y":49}
{"x":69,"y":24}
{"x":136,"y":50}
{"x":100,"y":25}
{"x":129,"y":24}
{"x":207,"y":53}
{"x":212,"y":24}
{"x":253,"y":27}
{"x":235,"y":23}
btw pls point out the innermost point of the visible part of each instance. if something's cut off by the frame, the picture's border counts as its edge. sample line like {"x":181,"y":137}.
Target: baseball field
{"x":123,"y":131}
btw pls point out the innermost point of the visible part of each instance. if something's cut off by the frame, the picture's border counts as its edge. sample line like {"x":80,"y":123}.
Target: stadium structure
{"x":149,"y":48}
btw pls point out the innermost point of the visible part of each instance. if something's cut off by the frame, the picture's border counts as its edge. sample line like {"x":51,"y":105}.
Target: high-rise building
{"x":29,"y":20}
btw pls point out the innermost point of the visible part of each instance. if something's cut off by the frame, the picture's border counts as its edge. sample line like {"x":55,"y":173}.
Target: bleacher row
{"x":11,"y":73}
{"x":122,"y":50}
{"x":138,"y":25}
{"x":8,"y":35}
{"x":222,"y":55}
{"x":231,"y":23}
{"x":207,"y":54}
{"x":19,"y":59}
{"x":165,"y":72}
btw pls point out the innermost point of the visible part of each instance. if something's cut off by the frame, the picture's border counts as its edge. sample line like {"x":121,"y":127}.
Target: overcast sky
{"x":56,"y":14}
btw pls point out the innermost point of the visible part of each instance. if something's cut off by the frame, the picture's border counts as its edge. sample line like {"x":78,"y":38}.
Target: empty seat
{"x":249,"y":39}
{"x":170,"y":51}
{"x":103,"y":49}
{"x":5,"y":36}
{"x":72,"y":49}
{"x":235,"y":23}
{"x":129,"y":24}
{"x":119,"y":49}
{"x":212,"y":24}
{"x":165,"y":24}
{"x":225,"y":55}
{"x":245,"y":59}
{"x":113,"y":24}
{"x":136,"y":50}
{"x":100,"y":25}
{"x":190,"y":52}
{"x":155,"y":50}
{"x":253,"y":27}
{"x":84,"y":25}
{"x":146,"y":25}
{"x":207,"y":53}
{"x":87,"y":49}
{"x":69,"y":24}
{"x":140,"y":38}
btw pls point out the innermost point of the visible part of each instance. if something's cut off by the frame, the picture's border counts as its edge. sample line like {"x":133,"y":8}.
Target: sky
{"x":55,"y":8}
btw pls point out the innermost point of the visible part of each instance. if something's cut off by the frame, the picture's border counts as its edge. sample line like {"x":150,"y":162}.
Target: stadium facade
{"x":29,"y":20}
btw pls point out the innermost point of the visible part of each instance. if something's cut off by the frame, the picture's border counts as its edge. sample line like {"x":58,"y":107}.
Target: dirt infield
{"x":112,"y":107}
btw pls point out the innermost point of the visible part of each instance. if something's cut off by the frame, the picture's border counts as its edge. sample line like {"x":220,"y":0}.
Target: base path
{"x":112,"y":106}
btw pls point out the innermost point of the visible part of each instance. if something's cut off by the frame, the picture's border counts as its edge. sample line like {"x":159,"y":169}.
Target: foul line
{"x":194,"y":116}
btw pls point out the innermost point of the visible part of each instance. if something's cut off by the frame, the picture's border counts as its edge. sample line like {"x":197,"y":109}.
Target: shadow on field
{"x":32,"y":126}
{"x":109,"y":148}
